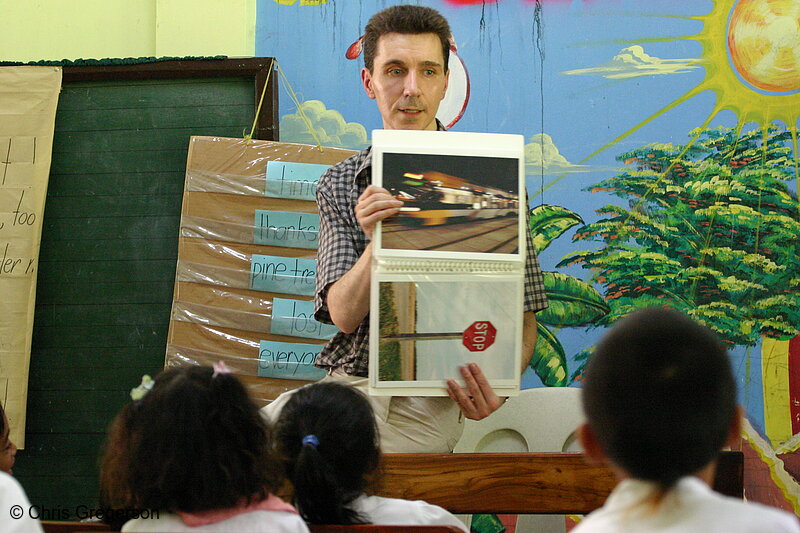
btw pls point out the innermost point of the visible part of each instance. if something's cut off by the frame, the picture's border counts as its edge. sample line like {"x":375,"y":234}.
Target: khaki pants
{"x":407,"y":424}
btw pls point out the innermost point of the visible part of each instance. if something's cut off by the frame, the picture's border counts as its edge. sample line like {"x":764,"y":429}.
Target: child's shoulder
{"x":690,"y":507}
{"x":395,"y":511}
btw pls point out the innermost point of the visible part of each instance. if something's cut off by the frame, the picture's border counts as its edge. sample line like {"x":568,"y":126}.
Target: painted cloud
{"x":632,"y":62}
{"x":542,"y":155}
{"x":328,"y":125}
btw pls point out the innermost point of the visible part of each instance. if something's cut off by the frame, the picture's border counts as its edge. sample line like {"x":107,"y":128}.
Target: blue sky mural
{"x":584,"y":82}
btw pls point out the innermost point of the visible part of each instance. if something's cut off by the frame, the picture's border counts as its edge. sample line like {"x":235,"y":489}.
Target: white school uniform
{"x":396,"y":512}
{"x":690,"y":507}
{"x":15,"y":508}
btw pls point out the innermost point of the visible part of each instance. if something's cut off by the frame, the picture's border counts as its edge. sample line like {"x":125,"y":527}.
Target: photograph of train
{"x":452,"y":203}
{"x":424,"y":328}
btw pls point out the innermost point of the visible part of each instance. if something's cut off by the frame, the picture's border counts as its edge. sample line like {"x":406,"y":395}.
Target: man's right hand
{"x":374,"y":205}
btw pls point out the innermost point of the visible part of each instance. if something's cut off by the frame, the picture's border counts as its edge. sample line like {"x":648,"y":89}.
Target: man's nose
{"x":411,"y":87}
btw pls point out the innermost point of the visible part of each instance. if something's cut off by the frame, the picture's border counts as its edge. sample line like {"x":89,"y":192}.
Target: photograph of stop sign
{"x":479,"y":336}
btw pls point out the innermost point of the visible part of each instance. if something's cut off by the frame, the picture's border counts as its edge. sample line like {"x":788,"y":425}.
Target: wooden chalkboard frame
{"x":257,"y":67}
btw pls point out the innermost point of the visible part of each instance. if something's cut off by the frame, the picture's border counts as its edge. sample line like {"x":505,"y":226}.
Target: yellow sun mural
{"x":763,"y":38}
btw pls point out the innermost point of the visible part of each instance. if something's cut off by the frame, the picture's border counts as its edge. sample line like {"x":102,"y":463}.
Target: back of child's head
{"x":660,"y":396}
{"x":194,"y":442}
{"x":328,"y":438}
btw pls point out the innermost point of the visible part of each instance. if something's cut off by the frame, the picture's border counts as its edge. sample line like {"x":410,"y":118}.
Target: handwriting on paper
{"x":284,"y":228}
{"x":295,"y":318}
{"x":295,"y":181}
{"x":289,"y":360}
{"x":17,"y":220}
{"x":287,"y":275}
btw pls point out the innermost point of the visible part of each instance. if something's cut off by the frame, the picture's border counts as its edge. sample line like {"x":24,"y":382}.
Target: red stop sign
{"x":479,"y":336}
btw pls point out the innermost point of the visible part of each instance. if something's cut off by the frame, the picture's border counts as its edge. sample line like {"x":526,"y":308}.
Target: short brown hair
{"x":408,"y":20}
{"x":660,"y":395}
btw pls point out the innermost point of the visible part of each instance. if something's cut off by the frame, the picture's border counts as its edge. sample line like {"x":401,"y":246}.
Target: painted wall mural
{"x":662,"y":169}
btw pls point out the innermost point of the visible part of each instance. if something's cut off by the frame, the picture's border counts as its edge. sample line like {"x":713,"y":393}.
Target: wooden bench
{"x":493,"y":483}
{"x":518,"y":483}
{"x":83,"y":527}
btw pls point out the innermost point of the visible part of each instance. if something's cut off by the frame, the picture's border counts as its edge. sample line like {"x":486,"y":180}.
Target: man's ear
{"x":590,"y":445}
{"x":735,"y":433}
{"x":366,"y":81}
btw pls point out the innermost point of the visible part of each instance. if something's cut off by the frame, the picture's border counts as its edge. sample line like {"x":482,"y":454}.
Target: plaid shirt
{"x":341,"y":243}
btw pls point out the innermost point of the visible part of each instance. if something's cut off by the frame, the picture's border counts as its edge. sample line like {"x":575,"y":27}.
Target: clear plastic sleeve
{"x":246,"y":262}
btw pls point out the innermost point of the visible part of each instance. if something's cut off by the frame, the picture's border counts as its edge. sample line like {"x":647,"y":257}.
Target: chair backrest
{"x":536,"y":420}
{"x":500,"y":483}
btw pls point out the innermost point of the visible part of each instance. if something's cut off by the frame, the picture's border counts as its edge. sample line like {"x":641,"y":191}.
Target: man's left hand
{"x":479,"y":400}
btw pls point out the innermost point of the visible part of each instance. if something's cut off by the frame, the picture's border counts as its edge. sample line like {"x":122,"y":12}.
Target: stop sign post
{"x":476,"y":338}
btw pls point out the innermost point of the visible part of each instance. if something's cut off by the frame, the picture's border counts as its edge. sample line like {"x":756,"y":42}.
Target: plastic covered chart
{"x":247,"y":262}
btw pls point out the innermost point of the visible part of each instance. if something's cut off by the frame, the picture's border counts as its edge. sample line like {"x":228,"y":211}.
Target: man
{"x":406,"y":52}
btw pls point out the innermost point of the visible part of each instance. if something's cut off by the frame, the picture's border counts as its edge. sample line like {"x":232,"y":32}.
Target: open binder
{"x":447,"y":271}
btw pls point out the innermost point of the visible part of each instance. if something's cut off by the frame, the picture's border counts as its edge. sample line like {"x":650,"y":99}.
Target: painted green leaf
{"x":547,"y":222}
{"x":486,"y":523}
{"x":582,"y":359}
{"x":572,"y":302}
{"x":549,"y":360}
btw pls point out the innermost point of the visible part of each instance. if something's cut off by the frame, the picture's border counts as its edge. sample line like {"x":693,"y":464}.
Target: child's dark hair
{"x":660,"y":396}
{"x":195,"y":442}
{"x":328,"y":438}
{"x":405,"y":19}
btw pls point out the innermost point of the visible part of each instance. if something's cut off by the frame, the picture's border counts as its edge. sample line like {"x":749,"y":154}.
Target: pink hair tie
{"x":220,"y":368}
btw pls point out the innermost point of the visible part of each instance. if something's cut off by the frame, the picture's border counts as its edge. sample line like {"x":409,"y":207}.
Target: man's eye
{"x":395,"y":71}
{"x":430,"y":72}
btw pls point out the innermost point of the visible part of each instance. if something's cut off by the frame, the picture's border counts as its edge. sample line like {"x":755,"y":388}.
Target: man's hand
{"x":374,"y":205}
{"x":480,"y":399}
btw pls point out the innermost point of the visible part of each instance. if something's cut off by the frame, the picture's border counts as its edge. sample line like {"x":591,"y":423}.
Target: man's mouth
{"x":411,"y":111}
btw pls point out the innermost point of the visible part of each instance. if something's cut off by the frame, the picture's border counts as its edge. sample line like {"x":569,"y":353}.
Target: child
{"x":660,"y":400}
{"x":329,"y":439}
{"x":8,"y":450}
{"x":16,"y":518}
{"x":193,"y":454}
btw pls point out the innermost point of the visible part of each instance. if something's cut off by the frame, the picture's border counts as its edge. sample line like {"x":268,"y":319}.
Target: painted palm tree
{"x":573,"y":303}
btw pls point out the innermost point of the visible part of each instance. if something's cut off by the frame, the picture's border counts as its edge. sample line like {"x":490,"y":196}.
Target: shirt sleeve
{"x":337,"y":251}
{"x":434,"y":515}
{"x":535,"y":296}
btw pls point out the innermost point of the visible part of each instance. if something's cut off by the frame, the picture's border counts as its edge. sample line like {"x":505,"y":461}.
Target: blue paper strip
{"x":287,"y":275}
{"x":296,"y":181}
{"x":285,"y":228}
{"x":287,"y":360}
{"x":296,"y":319}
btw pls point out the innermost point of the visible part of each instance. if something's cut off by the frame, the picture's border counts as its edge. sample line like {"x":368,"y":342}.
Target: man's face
{"x":408,"y":80}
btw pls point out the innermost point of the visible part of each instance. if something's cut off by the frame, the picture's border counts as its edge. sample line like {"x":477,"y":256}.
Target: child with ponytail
{"x":660,"y":402}
{"x":191,"y":453}
{"x":327,"y":436}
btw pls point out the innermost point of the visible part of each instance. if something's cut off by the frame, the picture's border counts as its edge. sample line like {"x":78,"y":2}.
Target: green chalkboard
{"x":109,"y":247}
